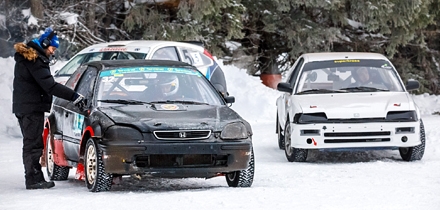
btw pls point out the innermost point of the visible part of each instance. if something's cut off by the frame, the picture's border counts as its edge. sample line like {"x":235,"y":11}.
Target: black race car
{"x":146,"y":118}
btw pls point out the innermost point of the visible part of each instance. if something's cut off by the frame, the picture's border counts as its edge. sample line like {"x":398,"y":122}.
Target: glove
{"x":79,"y":101}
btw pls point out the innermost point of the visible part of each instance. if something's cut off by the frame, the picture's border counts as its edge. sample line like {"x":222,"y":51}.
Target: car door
{"x":74,"y":117}
{"x":284,"y":102}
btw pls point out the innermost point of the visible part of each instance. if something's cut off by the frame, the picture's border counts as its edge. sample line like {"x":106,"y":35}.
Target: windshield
{"x":348,"y":76}
{"x":75,"y":62}
{"x":139,"y":85}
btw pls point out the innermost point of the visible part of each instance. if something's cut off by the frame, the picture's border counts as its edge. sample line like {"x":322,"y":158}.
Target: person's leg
{"x":32,"y":129}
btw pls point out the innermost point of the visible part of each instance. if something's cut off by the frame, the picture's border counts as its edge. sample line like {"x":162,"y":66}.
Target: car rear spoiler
{"x":198,"y":43}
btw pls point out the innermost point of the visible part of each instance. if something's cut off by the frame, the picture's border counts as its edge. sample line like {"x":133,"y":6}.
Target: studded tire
{"x":97,"y":180}
{"x":414,"y":153}
{"x":293,"y":154}
{"x":54,"y":171}
{"x":280,"y":135}
{"x":243,"y":178}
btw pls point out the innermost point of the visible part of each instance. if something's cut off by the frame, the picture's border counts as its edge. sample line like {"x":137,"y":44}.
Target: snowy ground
{"x":342,"y":180}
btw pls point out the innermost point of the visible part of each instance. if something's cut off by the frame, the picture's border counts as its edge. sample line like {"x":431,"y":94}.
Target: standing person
{"x":33,"y":88}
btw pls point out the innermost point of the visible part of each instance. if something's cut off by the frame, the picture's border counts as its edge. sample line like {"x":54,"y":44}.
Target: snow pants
{"x":31,"y":126}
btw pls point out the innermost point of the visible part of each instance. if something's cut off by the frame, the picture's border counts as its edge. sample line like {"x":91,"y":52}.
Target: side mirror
{"x":412,"y":85}
{"x":284,"y":87}
{"x":229,"y":99}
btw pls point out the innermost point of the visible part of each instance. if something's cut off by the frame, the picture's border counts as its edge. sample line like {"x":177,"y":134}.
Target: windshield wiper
{"x":178,"y":101}
{"x":121,"y":101}
{"x":311,"y":91}
{"x":363,"y":89}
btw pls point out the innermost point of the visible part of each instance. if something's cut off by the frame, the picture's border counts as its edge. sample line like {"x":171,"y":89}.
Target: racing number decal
{"x":197,"y":60}
{"x":77,"y":125}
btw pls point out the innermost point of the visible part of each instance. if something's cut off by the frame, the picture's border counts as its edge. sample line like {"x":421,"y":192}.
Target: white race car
{"x":347,"y":101}
{"x":190,"y":52}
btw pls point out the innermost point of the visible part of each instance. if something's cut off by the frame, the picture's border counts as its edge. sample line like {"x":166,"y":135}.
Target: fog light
{"x":309,"y":141}
{"x":404,"y":139}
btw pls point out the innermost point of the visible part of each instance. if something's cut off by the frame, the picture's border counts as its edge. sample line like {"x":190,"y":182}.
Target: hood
{"x":359,"y":105}
{"x":148,"y":118}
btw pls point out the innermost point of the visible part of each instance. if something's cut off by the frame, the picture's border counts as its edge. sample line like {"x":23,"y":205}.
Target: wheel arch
{"x":89,"y":132}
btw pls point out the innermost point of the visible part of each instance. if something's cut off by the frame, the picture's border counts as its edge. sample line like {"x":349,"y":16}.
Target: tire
{"x":293,"y":154}
{"x":414,"y":153}
{"x":54,"y":171}
{"x":243,"y":178}
{"x":280,"y":135}
{"x":97,"y":180}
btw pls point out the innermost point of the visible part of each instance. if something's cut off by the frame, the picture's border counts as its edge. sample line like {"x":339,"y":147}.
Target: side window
{"x":295,"y":72}
{"x":166,"y":53}
{"x":86,"y":84}
{"x":73,"y":80}
{"x":195,"y":58}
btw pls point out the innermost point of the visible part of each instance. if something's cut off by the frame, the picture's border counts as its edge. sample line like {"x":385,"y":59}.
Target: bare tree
{"x":37,"y":8}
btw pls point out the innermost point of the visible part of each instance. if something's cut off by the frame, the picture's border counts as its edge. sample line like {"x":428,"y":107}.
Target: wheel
{"x":96,"y":178}
{"x":280,"y":135}
{"x":414,"y":153}
{"x":54,"y":171}
{"x":293,"y":154}
{"x":243,"y":178}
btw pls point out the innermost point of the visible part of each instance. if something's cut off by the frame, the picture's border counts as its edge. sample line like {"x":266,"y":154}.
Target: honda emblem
{"x":182,"y":134}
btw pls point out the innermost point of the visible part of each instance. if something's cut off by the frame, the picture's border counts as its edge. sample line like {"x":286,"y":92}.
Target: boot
{"x":40,"y":185}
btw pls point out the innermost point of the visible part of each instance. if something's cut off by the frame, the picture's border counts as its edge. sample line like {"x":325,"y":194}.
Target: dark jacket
{"x":33,"y":82}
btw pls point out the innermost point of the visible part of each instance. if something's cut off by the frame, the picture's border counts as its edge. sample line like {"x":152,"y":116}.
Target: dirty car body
{"x":326,"y":105}
{"x":138,"y":121}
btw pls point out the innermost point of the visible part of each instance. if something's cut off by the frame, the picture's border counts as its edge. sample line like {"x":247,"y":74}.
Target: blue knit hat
{"x":52,"y":42}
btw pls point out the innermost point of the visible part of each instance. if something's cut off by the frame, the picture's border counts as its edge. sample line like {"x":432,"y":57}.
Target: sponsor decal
{"x":386,"y":66}
{"x":77,"y":124}
{"x":122,"y":71}
{"x":347,"y":61}
{"x":169,"y":107}
{"x":113,"y":49}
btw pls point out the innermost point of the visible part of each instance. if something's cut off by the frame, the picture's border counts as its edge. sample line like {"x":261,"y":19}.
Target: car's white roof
{"x":143,"y":46}
{"x":310,"y":57}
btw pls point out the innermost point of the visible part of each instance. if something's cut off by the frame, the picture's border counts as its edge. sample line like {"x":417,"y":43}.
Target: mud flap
{"x":80,"y":172}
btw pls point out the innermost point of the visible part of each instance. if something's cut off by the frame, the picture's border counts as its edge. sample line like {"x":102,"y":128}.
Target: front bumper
{"x":390,"y":135}
{"x":176,"y":159}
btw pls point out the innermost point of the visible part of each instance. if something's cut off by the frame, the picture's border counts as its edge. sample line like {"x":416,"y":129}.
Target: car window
{"x":86,"y":84}
{"x":348,"y":75}
{"x":166,"y":53}
{"x":294,"y":75}
{"x":72,"y":65}
{"x":151,"y":84}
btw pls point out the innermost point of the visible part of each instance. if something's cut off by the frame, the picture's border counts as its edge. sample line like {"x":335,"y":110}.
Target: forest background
{"x":261,"y":36}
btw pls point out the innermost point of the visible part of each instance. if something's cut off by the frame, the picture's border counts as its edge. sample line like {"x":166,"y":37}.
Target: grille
{"x":181,"y":160}
{"x":182,"y":134}
{"x":353,"y":134}
{"x":356,"y":140}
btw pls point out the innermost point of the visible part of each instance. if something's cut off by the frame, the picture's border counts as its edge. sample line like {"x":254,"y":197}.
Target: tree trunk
{"x":37,"y":9}
{"x":91,"y":16}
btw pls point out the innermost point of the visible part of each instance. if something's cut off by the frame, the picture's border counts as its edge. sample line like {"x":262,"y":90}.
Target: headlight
{"x":402,"y":116}
{"x":122,"y":133}
{"x":236,"y":130}
{"x":319,"y":117}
